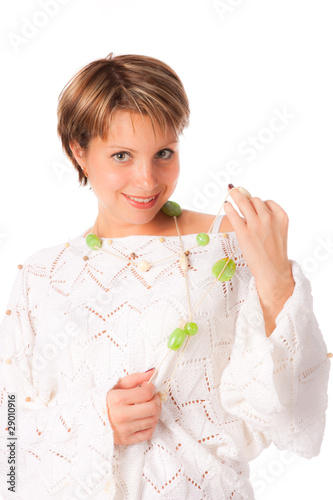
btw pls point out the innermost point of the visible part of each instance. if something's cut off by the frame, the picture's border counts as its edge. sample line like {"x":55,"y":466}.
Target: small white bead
{"x":183,"y":262}
{"x":143,"y":265}
{"x":163,"y":396}
{"x":244,"y":192}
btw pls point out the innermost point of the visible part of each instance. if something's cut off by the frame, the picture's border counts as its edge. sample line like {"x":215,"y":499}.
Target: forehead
{"x":129,"y":124}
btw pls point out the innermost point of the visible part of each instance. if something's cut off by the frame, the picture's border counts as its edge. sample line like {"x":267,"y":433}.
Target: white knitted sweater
{"x":77,"y":325}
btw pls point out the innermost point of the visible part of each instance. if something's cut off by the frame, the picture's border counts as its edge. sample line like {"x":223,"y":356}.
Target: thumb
{"x":131,"y":381}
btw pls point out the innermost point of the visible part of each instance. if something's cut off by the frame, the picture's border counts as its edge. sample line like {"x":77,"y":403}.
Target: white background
{"x":239,"y":61}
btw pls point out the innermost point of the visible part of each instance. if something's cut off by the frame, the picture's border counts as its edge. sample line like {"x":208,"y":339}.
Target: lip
{"x":138,"y":204}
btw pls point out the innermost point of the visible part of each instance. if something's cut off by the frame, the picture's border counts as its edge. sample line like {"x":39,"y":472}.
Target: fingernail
{"x":150,"y":369}
{"x":230,"y":186}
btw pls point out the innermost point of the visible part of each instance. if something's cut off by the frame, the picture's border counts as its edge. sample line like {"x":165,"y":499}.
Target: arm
{"x":273,"y":295}
{"x":278,"y":384}
{"x":56,"y":441}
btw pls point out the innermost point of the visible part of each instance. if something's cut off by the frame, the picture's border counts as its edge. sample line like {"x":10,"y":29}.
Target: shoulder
{"x":34,"y":271}
{"x":45,"y":257}
{"x":197,"y":222}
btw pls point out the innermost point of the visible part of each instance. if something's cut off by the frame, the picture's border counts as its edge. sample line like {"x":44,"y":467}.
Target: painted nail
{"x":150,"y":369}
{"x":230,"y":186}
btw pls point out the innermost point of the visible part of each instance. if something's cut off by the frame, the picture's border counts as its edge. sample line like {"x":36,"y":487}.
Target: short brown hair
{"x":136,"y":83}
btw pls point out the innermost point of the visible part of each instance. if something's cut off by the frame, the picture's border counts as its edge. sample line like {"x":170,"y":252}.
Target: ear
{"x":78,"y":153}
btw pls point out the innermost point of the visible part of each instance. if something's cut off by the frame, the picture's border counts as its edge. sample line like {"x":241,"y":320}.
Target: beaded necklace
{"x":222,"y":270}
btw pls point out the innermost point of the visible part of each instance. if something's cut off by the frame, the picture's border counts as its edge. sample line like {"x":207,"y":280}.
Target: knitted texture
{"x":78,"y":325}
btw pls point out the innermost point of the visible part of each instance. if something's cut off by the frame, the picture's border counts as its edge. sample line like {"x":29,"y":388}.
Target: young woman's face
{"x":131,"y":163}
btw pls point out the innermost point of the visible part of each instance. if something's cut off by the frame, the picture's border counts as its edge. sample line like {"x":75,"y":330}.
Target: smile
{"x":140,"y":202}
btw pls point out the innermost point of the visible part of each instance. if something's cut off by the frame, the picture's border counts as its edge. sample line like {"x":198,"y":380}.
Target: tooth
{"x":142,"y":201}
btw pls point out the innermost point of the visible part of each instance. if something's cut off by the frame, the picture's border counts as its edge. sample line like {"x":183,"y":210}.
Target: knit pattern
{"x":78,"y":324}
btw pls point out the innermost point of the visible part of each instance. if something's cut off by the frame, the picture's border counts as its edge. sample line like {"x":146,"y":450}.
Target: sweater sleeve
{"x":51,"y":448}
{"x":278,"y":384}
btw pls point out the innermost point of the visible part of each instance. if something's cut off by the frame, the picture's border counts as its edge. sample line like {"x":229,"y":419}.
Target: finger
{"x":140,"y":436}
{"x":237,"y":222}
{"x":281,"y":222}
{"x":260,"y":206}
{"x":136,"y":395}
{"x":244,"y":205}
{"x":141,"y":425}
{"x":132,"y":412}
{"x":148,"y":409}
{"x":133,"y":380}
{"x":275,"y":207}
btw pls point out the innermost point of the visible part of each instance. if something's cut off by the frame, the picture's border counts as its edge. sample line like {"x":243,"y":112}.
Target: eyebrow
{"x":132,"y":150}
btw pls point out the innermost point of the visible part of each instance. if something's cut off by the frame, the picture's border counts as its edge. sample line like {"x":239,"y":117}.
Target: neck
{"x":162,"y":224}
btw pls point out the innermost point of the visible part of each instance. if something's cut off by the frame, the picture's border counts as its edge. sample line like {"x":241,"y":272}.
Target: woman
{"x":105,"y":407}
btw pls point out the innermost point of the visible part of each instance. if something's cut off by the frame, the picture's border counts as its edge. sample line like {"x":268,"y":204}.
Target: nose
{"x":146,"y":176}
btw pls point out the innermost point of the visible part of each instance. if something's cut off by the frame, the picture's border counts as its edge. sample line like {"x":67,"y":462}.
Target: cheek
{"x":175,"y":173}
{"x":170,"y":175}
{"x":110,"y":181}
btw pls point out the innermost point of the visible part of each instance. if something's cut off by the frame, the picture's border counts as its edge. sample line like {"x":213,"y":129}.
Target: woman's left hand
{"x":262,"y":237}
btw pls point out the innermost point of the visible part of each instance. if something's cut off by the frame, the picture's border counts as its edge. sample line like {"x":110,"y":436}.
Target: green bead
{"x":172,"y":209}
{"x":191,"y":328}
{"x":93,"y":241}
{"x":227,"y":273}
{"x":202,"y":239}
{"x":176,"y":339}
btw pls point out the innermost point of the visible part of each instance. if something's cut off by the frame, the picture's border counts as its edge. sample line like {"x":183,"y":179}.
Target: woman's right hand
{"x":134,"y":408}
